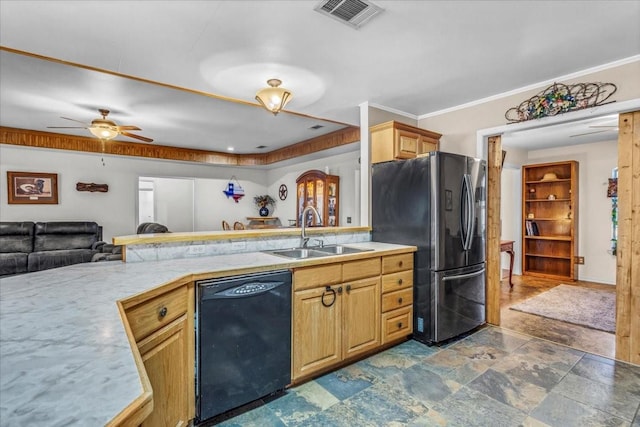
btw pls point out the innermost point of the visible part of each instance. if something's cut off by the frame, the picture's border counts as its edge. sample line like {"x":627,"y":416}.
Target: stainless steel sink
{"x":341,"y":250}
{"x":299,"y":253}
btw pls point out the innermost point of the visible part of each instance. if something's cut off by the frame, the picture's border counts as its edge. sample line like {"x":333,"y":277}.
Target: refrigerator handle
{"x":463,"y":212}
{"x":472,"y":212}
{"x":468,"y":212}
{"x":463,"y":276}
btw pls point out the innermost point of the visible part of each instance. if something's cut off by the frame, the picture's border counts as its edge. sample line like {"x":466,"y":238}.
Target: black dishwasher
{"x":243,"y":345}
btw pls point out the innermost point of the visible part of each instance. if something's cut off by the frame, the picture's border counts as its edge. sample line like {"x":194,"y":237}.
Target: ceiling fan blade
{"x":141,"y":138}
{"x":121,"y":128}
{"x":74,"y":120}
{"x":603,"y":126}
{"x":587,"y":133}
{"x":66,"y":127}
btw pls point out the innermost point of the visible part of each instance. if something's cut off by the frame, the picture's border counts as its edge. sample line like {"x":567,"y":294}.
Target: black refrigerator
{"x":437,"y":203}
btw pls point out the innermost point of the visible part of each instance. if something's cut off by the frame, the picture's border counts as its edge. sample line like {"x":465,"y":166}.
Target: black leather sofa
{"x":27,"y":246}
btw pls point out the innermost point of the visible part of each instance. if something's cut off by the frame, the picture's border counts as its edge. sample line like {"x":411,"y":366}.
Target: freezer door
{"x":449,"y":203}
{"x":477,"y":173}
{"x":458,"y":302}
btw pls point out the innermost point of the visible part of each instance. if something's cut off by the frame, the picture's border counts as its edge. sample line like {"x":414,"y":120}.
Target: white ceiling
{"x":416,"y":57}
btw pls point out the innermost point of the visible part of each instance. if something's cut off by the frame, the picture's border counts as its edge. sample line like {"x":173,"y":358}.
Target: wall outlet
{"x":196,"y":249}
{"x":348,"y":220}
{"x":579,"y":260}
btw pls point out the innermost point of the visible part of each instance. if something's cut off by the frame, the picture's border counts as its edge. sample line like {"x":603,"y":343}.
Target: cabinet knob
{"x":163,"y":312}
{"x":348,"y":288}
{"x":400,"y":264}
{"x":399,"y":300}
{"x":399,"y":325}
{"x":399,"y":281}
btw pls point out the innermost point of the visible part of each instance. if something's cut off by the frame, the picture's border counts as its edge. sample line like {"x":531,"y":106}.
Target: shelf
{"x":548,"y":256}
{"x":548,"y":219}
{"x":561,"y":238}
{"x":547,"y":200}
{"x":551,"y":181}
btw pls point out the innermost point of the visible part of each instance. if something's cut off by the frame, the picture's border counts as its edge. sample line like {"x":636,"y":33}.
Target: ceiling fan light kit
{"x":274,"y":98}
{"x":105,"y":129}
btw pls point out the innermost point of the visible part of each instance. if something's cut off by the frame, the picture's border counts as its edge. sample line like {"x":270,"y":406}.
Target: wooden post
{"x":628,"y":251}
{"x":494,"y":169}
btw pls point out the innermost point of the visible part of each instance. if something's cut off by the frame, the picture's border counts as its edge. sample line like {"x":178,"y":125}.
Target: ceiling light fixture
{"x":103,"y":128}
{"x":274,"y":98}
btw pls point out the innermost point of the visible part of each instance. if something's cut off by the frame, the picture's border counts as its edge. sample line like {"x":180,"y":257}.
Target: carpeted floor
{"x":592,"y":308}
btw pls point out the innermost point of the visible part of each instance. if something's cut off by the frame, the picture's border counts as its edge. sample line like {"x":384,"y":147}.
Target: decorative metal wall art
{"x":234,"y":189}
{"x":560,"y":98}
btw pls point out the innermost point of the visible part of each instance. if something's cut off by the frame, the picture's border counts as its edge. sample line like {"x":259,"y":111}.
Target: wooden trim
{"x":56,"y":141}
{"x":494,"y":169}
{"x":628,"y":271}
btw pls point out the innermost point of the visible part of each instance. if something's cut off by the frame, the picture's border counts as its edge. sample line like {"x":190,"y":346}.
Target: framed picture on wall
{"x":32,"y":188}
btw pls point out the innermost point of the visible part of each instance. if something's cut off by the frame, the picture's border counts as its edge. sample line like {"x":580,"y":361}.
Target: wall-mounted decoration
{"x":32,"y":188}
{"x":283,"y":192}
{"x":612,"y":188}
{"x":560,"y":98}
{"x":234,"y":189}
{"x":92,"y":187}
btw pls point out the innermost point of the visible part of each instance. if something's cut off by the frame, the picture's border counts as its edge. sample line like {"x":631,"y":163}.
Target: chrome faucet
{"x":303,"y":235}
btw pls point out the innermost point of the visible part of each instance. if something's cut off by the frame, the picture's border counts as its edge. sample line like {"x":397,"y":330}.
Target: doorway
{"x":490,"y":147}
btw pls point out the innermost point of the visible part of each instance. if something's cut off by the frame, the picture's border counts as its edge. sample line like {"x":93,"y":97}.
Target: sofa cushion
{"x":51,"y":236}
{"x":13,"y":263}
{"x":16,"y":237}
{"x":53,"y":259}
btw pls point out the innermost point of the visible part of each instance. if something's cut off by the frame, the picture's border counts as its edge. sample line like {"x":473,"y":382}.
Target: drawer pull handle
{"x":399,"y":281}
{"x":399,"y":325}
{"x":348,"y":288}
{"x":163,"y":312}
{"x":328,"y":290}
{"x":399,"y":300}
{"x":400,"y":264}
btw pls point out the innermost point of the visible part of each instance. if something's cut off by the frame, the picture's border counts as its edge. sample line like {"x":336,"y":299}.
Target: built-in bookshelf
{"x":550,"y":220}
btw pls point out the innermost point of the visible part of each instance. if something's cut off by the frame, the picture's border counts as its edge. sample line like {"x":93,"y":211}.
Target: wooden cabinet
{"x":162,"y":325}
{"x":316,"y":188}
{"x":550,"y":220}
{"x":397,"y":297}
{"x":335,"y":316}
{"x":397,"y":141}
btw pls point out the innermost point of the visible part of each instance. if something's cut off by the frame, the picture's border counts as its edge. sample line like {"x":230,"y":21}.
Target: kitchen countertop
{"x":64,"y":354}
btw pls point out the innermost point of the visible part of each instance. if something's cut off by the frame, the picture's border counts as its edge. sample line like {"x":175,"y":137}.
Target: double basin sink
{"x":316,"y":252}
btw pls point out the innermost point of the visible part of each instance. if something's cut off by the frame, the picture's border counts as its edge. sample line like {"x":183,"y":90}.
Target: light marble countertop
{"x":64,"y":355}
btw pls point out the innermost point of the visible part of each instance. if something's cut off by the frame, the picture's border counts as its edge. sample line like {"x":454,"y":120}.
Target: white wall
{"x":116,"y":210}
{"x":173,"y":202}
{"x":510,"y":214}
{"x":594,"y":222}
{"x":343,"y":165}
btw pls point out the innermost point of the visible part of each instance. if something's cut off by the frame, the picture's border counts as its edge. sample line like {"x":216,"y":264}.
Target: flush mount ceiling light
{"x":273,"y":98}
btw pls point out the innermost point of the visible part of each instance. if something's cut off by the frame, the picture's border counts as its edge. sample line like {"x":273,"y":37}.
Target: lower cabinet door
{"x":361,"y":316}
{"x":164,"y":354}
{"x":316,"y":330}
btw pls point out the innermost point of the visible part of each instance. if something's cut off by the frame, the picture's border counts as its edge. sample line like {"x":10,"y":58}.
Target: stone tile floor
{"x":493,"y":377}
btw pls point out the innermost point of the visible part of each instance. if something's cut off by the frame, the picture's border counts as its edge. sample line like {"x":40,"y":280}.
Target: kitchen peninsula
{"x":66,"y":357}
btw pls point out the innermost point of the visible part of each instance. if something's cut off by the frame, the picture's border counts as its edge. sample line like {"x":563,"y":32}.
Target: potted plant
{"x":262,"y":202}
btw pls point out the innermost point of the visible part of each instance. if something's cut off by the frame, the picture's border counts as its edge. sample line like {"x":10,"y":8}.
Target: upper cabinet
{"x":398,"y":141}
{"x":320,"y":190}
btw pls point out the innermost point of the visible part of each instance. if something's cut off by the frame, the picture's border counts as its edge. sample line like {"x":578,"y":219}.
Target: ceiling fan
{"x":104,"y":128}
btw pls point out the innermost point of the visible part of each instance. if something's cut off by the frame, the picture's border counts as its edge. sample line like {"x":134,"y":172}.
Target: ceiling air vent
{"x":354,"y":13}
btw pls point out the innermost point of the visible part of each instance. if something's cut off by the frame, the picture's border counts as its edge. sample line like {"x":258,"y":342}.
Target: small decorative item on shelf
{"x":532,"y":193}
{"x":530,"y":215}
{"x":234,"y":189}
{"x":551,"y":197}
{"x":262,"y":202}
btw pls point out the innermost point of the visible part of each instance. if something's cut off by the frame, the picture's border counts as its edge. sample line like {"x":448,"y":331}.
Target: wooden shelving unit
{"x":550,"y":220}
{"x":316,"y":188}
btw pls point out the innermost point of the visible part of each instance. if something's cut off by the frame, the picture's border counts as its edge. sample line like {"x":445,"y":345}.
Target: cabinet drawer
{"x":397,"y":324}
{"x":151,"y":315}
{"x":397,"y":299}
{"x":310,"y":277}
{"x":394,"y":263}
{"x":359,"y":269}
{"x":396,"y":281}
